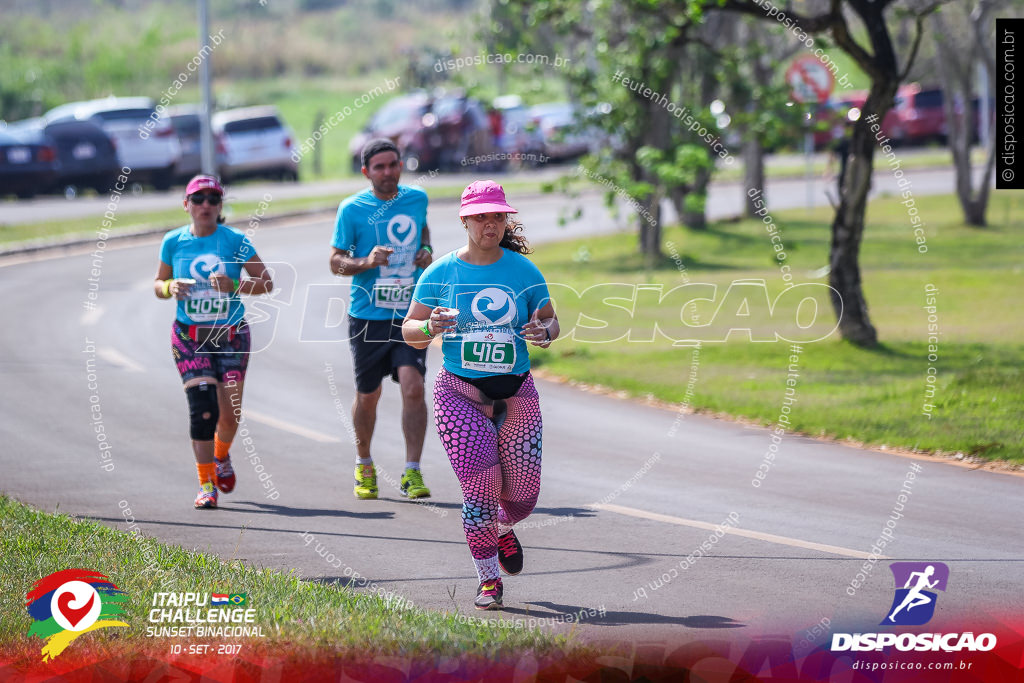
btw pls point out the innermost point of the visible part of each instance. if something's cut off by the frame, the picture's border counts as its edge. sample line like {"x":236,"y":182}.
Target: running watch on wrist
{"x":429,"y":249}
{"x":426,"y":329}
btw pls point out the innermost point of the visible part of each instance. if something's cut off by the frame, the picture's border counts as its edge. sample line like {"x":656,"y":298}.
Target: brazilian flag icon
{"x":238,"y":599}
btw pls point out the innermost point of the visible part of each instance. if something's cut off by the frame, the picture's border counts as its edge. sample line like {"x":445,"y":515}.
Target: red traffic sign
{"x":809,"y":79}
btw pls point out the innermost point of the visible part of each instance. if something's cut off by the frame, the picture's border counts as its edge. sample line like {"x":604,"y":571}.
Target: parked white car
{"x":254,"y":141}
{"x":145,"y":142}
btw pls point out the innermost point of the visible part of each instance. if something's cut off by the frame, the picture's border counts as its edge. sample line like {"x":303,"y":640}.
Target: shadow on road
{"x":526,"y":523}
{"x":559,"y":611}
{"x":285,"y":511}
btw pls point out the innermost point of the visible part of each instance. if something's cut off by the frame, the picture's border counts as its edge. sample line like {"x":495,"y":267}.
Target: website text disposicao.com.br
{"x":457,"y":63}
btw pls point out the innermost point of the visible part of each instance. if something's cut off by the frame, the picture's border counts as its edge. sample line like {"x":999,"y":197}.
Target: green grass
{"x":238,"y":214}
{"x":871,"y":396}
{"x":303,"y":615}
{"x":789,"y":167}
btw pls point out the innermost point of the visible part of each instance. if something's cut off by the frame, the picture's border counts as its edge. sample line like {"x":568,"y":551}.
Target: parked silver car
{"x":185,"y":121}
{"x":254,"y":141}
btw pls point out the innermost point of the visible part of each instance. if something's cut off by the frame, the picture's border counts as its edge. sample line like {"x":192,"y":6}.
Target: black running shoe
{"x":488,"y":595}
{"x":510,"y":554}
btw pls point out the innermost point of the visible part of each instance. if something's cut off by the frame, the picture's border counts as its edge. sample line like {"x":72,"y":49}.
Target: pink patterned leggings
{"x":495,"y":454}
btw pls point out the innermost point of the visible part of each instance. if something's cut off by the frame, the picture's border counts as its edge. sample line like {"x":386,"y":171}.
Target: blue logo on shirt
{"x":401,"y":229}
{"x":205,"y":265}
{"x":493,"y":306}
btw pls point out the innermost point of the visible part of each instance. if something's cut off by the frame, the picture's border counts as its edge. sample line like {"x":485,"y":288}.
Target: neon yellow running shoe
{"x":366,"y":482}
{"x":412,"y":485}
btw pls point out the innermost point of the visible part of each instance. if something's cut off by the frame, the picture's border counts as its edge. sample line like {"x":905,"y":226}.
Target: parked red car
{"x":446,"y":131}
{"x":916,"y":118}
{"x":921,"y":116}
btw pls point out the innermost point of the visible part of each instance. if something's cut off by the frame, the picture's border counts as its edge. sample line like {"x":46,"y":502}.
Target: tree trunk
{"x":650,"y":230}
{"x":657,"y":135}
{"x":753,"y":171}
{"x":753,"y":150}
{"x":848,"y":226}
{"x":697,"y":219}
{"x":956,"y":76}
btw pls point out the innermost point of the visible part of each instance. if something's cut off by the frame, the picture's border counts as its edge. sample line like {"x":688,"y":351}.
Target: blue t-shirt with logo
{"x":364,"y":222}
{"x":197,"y":258}
{"x":494,"y":303}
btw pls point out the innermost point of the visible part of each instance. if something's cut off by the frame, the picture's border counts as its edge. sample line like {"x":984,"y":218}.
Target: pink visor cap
{"x":484,"y":196}
{"x":203,"y":182}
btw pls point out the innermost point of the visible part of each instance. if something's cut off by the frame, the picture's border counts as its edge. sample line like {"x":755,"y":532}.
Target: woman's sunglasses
{"x":211,"y":199}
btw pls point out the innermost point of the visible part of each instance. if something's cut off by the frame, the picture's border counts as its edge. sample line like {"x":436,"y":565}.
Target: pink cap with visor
{"x":484,"y":196}
{"x":203,"y":182}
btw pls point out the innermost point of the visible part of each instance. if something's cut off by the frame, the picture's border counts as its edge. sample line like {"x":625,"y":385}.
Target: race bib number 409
{"x":493,"y":351}
{"x":392,"y":292}
{"x":207,"y":305}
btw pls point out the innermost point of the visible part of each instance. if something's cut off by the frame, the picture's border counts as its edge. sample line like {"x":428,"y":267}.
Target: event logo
{"x":202,"y":615}
{"x":68,"y":603}
{"x":914,"y":603}
{"x":205,"y":265}
{"x":401,"y":229}
{"x":493,"y":306}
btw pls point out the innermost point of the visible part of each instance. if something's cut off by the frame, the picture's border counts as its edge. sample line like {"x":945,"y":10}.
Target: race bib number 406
{"x":489,"y":351}
{"x":207,"y":305}
{"x":392,"y":292}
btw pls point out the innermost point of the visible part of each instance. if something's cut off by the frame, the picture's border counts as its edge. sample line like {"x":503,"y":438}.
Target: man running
{"x":382,"y":242}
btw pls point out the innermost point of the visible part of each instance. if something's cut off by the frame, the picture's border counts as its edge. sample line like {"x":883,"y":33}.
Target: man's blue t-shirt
{"x":364,"y":222}
{"x":494,"y":303}
{"x":197,"y":258}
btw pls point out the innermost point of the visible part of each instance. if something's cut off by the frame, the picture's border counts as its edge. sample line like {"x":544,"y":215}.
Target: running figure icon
{"x":915,"y":597}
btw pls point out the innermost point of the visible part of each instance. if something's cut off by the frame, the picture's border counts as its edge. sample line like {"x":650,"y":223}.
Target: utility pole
{"x":206,"y":107}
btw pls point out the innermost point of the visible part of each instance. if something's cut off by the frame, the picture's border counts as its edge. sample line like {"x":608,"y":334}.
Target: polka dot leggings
{"x":495,"y":455}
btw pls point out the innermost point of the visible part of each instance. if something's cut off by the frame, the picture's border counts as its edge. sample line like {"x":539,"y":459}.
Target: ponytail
{"x":513,"y":240}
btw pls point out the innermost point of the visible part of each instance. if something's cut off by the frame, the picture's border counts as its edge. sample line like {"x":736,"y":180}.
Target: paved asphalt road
{"x":629,"y":491}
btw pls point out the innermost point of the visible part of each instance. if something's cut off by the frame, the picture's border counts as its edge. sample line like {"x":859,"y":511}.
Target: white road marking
{"x":311,"y":434}
{"x":117,"y":358}
{"x":770,"y":538}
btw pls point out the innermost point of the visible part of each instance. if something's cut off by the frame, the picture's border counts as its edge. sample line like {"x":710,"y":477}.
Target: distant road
{"x":722,"y":199}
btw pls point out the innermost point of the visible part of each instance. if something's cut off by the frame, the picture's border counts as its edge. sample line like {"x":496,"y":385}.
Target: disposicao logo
{"x":915,"y":578}
{"x":913,"y":605}
{"x":68,"y":603}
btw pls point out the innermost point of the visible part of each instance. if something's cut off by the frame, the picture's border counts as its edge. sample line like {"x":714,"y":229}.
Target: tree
{"x":632,"y":65}
{"x":959,"y":52}
{"x":878,"y":59}
{"x":758,"y":99}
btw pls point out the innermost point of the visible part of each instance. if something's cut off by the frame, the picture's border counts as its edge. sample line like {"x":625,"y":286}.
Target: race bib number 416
{"x":491,"y":351}
{"x":392,"y":292}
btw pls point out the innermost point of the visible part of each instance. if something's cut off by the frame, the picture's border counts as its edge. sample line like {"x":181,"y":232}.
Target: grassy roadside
{"x":300,"y":615}
{"x":439,"y":188}
{"x":788,"y":167}
{"x":238,"y":214}
{"x":871,"y":396}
